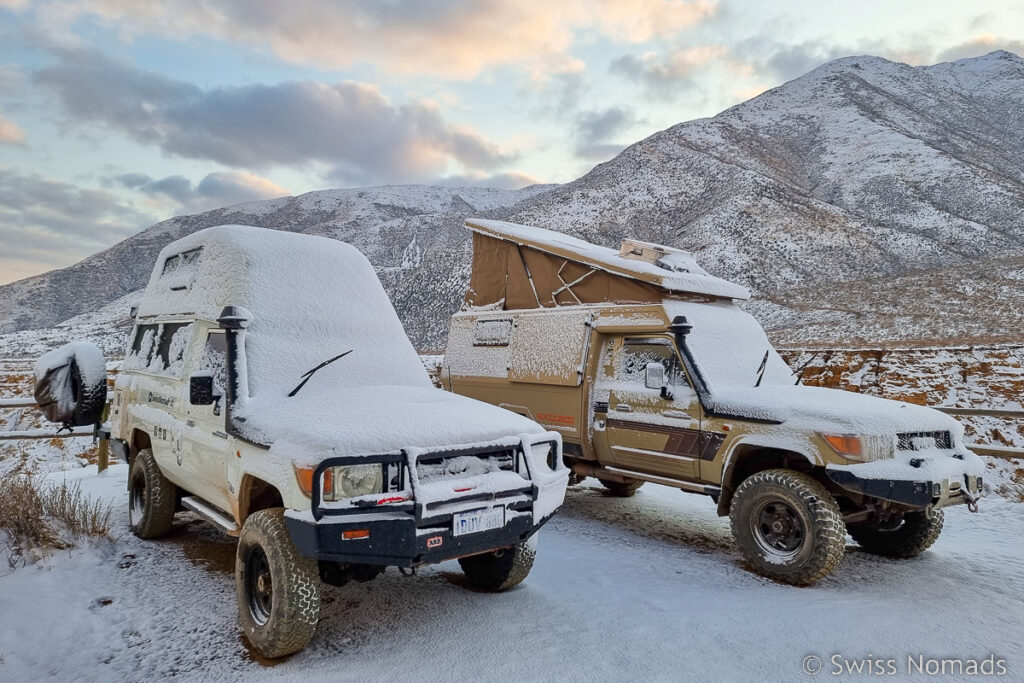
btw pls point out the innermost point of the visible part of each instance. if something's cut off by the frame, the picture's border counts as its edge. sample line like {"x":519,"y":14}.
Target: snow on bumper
{"x":415,"y":522}
{"x":916,"y":479}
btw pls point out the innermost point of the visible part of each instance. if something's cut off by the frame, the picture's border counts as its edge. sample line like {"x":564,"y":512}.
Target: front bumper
{"x":413,"y":524}
{"x":400,"y":542}
{"x":915,"y":485}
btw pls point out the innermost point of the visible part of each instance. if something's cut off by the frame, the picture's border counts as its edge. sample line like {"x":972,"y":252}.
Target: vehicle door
{"x":653,"y":415}
{"x":205,"y":456}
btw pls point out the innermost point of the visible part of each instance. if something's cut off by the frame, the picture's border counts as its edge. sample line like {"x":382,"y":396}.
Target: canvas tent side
{"x":521,"y":267}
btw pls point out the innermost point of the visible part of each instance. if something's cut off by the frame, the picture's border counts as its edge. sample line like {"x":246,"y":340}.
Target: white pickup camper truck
{"x":269,"y":387}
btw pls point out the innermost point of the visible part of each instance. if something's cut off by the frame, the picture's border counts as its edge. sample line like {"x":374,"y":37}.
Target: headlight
{"x":357,"y":480}
{"x":344,"y":481}
{"x":860,"y":448}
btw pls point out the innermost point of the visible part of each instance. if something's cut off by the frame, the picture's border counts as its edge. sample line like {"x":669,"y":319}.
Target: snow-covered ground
{"x":649,"y":588}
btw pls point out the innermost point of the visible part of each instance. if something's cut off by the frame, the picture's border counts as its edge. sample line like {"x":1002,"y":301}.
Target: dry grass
{"x":39,"y":518}
{"x":1014,"y":488}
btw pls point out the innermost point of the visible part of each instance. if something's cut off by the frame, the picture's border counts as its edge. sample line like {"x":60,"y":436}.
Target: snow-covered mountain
{"x":864,"y":201}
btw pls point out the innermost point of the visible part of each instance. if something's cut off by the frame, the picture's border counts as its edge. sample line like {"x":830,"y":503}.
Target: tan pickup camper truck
{"x":651,"y":372}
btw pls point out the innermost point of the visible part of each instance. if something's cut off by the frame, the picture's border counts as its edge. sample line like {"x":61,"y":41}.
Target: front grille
{"x":908,"y":440}
{"x":459,"y":465}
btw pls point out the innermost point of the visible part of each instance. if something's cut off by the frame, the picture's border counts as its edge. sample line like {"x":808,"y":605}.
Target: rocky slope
{"x":867,"y":201}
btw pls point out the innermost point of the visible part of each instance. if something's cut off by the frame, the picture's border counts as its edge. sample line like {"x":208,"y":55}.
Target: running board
{"x":211,"y":514}
{"x":706,"y":489}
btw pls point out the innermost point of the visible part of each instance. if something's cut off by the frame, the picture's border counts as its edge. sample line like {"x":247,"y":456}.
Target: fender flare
{"x":745,"y":444}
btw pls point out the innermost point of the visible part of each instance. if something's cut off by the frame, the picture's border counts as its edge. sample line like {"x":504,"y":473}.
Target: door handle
{"x":190,"y":423}
{"x":624,"y":408}
{"x":220,"y":434}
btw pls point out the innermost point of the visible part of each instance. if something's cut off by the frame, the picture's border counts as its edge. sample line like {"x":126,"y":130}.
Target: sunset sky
{"x":115,"y":114}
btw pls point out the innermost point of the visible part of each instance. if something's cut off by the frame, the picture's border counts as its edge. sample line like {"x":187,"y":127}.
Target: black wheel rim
{"x":259,"y":586}
{"x":137,"y":498}
{"x":778,"y":530}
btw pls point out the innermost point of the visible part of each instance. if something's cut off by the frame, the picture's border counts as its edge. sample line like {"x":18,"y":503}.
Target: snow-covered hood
{"x":334,"y":421}
{"x":832,"y":410}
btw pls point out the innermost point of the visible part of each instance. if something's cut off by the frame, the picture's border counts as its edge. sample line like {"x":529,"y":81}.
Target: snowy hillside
{"x":865,"y":202}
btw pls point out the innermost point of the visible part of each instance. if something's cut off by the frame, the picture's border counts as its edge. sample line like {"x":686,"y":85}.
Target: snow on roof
{"x":311,"y":298}
{"x":679,"y":274}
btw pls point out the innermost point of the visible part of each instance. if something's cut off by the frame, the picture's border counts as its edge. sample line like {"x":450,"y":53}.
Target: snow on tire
{"x":151,"y":497}
{"x":914,"y":534}
{"x":788,"y":526}
{"x":501,"y":569}
{"x":278,"y":589}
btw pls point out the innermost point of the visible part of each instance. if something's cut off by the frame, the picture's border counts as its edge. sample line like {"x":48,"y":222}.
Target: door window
{"x":215,"y":360}
{"x":637,"y":352}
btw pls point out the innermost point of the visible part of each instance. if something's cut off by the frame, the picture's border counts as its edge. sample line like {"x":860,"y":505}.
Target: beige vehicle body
{"x":652,"y":373}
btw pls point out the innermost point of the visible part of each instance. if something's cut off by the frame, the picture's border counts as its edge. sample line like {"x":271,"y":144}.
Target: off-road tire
{"x":915,"y":535}
{"x":502,"y":569}
{"x":621,"y":489}
{"x":152,"y":499}
{"x":287,"y":623}
{"x":819,"y":535}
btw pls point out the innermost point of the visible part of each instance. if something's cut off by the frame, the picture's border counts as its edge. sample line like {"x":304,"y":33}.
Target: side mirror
{"x":200,"y":389}
{"x":654,"y":375}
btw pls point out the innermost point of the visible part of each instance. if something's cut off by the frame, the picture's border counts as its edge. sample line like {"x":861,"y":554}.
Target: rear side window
{"x":142,"y":347}
{"x":159,"y":348}
{"x":170,"y":351}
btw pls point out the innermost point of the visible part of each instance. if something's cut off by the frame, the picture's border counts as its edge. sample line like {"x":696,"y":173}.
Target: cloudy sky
{"x":115,"y":114}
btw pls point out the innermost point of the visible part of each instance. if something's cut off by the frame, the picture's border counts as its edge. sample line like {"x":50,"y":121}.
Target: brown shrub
{"x":39,"y":517}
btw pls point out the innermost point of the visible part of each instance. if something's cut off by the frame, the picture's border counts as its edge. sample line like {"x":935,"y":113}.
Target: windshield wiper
{"x":803,"y":368}
{"x":761,"y":368}
{"x":311,"y":372}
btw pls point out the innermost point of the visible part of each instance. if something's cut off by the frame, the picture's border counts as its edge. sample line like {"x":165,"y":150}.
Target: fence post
{"x":103,"y":456}
{"x":102,"y":460}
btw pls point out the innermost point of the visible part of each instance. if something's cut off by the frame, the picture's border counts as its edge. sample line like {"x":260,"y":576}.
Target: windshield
{"x":728,"y":346}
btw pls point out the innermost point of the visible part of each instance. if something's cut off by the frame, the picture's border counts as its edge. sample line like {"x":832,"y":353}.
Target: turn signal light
{"x":355,"y":534}
{"x":844,"y":444}
{"x":305,"y":477}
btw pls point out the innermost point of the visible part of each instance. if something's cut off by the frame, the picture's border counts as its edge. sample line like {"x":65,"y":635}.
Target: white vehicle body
{"x":248,"y":312}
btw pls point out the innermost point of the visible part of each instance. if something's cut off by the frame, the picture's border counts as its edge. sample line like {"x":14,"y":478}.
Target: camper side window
{"x":492,"y":332}
{"x":170,"y":352}
{"x":142,"y":347}
{"x":637,"y":352}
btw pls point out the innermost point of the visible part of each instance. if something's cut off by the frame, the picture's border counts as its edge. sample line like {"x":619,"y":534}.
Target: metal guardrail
{"x":1003,"y":452}
{"x":17,"y":403}
{"x":987,"y":412}
{"x":103,"y":454}
{"x":45,"y":434}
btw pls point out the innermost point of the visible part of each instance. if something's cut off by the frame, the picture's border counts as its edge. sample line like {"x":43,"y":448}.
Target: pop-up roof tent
{"x":521,"y":266}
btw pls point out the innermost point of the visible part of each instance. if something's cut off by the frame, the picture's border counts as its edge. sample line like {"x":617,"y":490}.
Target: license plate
{"x":473,"y":521}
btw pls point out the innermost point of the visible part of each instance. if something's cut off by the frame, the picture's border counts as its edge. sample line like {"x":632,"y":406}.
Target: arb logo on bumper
{"x":435,"y":541}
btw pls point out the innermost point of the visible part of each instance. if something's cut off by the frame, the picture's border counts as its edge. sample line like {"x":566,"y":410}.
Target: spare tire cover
{"x":71,"y":384}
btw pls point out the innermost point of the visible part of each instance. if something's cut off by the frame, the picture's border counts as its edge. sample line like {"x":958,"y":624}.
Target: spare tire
{"x":71,"y":384}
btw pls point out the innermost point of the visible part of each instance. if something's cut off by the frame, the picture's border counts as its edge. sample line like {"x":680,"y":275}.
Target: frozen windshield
{"x":729,"y":346}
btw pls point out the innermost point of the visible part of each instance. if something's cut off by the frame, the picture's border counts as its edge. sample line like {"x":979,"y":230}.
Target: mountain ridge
{"x":865,"y":202}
